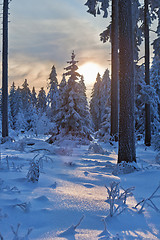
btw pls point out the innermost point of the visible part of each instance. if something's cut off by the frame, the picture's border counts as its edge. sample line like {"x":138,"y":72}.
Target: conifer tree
{"x":26,"y":95}
{"x":71,"y":117}
{"x":95,"y":103}
{"x":155,"y":82}
{"x":62,"y":85}
{"x":53,"y":94}
{"x":33,"y":97}
{"x":12,"y":103}
{"x":26,"y":103}
{"x":105,"y":125}
{"x":42,"y":100}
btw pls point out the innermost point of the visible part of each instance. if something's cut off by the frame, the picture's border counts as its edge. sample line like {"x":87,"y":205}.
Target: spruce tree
{"x":95,"y":103}
{"x":53,"y":94}
{"x":33,"y":97}
{"x":26,"y":103}
{"x":12,"y":103}
{"x":72,"y":112}
{"x":105,"y":126}
{"x":42,"y":101}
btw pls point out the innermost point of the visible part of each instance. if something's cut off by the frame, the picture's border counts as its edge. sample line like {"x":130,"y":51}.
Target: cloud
{"x":43,"y":33}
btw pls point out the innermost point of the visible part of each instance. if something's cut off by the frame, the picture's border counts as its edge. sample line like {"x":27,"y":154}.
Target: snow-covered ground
{"x":71,"y":191}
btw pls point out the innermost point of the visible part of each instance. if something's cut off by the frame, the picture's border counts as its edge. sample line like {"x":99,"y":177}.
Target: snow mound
{"x":96,"y":148}
{"x":125,"y":168}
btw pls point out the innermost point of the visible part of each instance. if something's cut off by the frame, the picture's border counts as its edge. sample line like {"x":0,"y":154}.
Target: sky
{"x":43,"y":33}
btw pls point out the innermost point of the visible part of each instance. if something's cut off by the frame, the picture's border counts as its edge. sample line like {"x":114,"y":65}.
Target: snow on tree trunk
{"x":126,"y":150}
{"x":5,"y":71}
{"x":115,"y":63}
{"x":147,"y":75}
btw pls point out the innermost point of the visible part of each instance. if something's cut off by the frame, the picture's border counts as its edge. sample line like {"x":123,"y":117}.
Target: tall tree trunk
{"x":126,"y":151}
{"x":147,"y":75}
{"x":115,"y":68}
{"x":5,"y":71}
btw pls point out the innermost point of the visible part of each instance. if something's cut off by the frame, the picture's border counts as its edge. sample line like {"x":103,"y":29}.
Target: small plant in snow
{"x":21,"y":145}
{"x":71,"y":229}
{"x":14,"y":190}
{"x":2,"y":215}
{"x":117,"y":199}
{"x":24,"y":206}
{"x":16,"y":235}
{"x":69,"y":164}
{"x":149,"y":201}
{"x":4,"y":165}
{"x":33,"y":173}
{"x":17,"y":168}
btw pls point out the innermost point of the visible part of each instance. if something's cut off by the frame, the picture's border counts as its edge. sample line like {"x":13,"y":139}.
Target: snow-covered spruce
{"x":73,"y":118}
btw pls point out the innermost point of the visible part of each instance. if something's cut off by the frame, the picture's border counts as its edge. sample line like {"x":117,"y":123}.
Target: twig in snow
{"x":40,"y":149}
{"x":149,"y":201}
{"x":15,"y":232}
{"x":7,"y":162}
{"x":24,"y":206}
{"x":75,"y":226}
{"x":105,"y":225}
{"x":71,"y":229}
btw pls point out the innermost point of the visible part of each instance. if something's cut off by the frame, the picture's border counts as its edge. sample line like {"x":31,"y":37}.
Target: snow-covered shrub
{"x":33,"y":173}
{"x":117,"y":198}
{"x":43,"y":124}
{"x":96,"y":148}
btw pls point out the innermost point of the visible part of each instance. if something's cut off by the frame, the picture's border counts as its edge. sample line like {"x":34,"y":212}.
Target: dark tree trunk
{"x":5,"y":71}
{"x":126,"y":151}
{"x":115,"y":67}
{"x":147,"y":75}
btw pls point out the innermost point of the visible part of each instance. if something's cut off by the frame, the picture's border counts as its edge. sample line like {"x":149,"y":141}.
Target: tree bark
{"x":147,"y":74}
{"x":5,"y":71}
{"x":126,"y":151}
{"x":115,"y":68}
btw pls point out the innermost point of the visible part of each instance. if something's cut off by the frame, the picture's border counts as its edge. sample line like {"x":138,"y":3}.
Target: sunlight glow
{"x":89,"y":70}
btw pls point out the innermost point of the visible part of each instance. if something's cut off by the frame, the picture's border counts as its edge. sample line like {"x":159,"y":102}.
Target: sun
{"x":89,"y":70}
